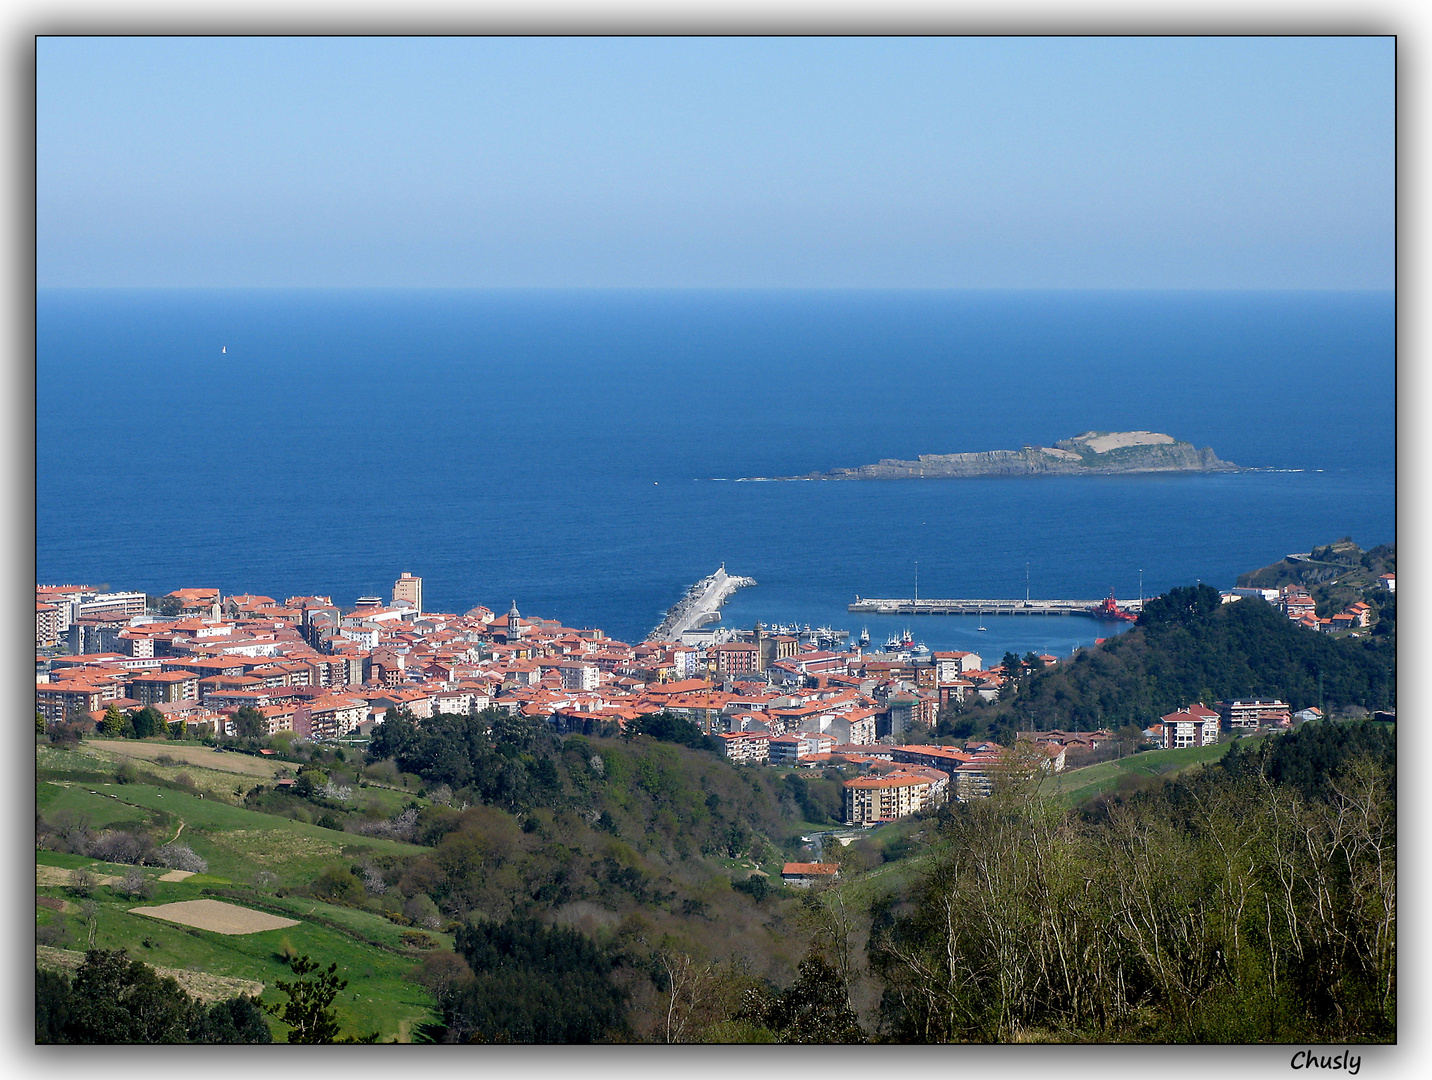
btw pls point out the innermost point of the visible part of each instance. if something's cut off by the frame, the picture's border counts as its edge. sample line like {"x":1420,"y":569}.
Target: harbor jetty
{"x":701,"y":605}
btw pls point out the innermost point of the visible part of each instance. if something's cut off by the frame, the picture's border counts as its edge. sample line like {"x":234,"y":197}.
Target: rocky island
{"x":1098,"y":452}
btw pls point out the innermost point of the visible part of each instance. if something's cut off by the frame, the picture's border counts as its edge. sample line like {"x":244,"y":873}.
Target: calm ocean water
{"x":567,"y":449}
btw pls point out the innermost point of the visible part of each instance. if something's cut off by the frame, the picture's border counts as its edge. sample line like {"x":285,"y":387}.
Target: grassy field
{"x":220,"y":776}
{"x":226,"y":776}
{"x":1074,"y":786}
{"x":190,"y":755}
{"x":368,"y":949}
{"x":239,"y":845}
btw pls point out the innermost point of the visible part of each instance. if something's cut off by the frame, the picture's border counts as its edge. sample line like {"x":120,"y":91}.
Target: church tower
{"x":514,"y":628}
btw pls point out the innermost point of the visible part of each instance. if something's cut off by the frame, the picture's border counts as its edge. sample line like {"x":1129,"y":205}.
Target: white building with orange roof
{"x":577,"y":675}
{"x":735,"y":658}
{"x":47,"y":625}
{"x":332,"y":716}
{"x":1185,"y":728}
{"x":954,"y":663}
{"x":415,"y":700}
{"x":152,"y":687}
{"x":1252,"y":713}
{"x":900,"y":792}
{"x":56,"y":699}
{"x":1361,"y":612}
{"x":745,"y":746}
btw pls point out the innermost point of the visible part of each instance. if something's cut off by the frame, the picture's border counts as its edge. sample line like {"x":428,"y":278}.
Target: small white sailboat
{"x":981,"y":626}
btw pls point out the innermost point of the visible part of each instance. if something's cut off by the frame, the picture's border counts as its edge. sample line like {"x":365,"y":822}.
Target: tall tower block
{"x":409,"y":588}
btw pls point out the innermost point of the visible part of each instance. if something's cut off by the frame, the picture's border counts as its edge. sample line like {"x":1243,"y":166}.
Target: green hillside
{"x":256,"y":860}
{"x":1075,"y":786}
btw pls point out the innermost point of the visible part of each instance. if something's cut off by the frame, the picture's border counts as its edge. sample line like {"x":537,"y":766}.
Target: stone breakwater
{"x":1094,"y":452}
{"x":701,"y":605}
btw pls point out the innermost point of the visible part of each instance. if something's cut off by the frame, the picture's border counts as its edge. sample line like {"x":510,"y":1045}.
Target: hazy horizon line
{"x":731,"y":288}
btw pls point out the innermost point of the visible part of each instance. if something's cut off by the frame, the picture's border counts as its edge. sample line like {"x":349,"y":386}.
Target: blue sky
{"x":720,"y":162}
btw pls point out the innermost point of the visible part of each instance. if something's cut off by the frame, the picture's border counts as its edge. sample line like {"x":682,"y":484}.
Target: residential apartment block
{"x":1253,"y":713}
{"x":903,"y":791}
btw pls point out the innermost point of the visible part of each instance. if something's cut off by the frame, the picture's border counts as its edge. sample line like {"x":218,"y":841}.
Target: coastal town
{"x":326,"y":672}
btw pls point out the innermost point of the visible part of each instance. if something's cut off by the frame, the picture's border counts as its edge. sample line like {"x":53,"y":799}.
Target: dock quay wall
{"x":976,"y":607}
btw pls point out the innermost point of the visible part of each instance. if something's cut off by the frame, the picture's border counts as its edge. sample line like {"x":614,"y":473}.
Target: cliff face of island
{"x":1093,"y":452}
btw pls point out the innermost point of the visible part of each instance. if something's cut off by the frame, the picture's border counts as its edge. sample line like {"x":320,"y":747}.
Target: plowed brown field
{"x":215,"y":915}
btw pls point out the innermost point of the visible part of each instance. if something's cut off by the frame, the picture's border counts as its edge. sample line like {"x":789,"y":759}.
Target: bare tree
{"x":117,"y":845}
{"x":82,"y":881}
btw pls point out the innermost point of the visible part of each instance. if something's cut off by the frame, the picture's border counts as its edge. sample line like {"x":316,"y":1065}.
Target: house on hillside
{"x":1193,"y":726}
{"x":802,"y":875}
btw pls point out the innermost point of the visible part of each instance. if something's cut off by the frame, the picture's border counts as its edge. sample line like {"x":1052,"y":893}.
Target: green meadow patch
{"x":370,"y":951}
{"x":1075,"y":786}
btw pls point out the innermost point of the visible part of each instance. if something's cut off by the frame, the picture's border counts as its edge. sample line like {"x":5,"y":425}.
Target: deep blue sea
{"x":577,"y":450}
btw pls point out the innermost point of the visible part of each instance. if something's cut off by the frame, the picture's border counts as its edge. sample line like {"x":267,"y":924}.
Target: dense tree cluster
{"x":1229,"y":906}
{"x":1188,"y":647}
{"x":113,"y":999}
{"x":676,"y":729}
{"x":503,"y":760}
{"x":814,"y":1009}
{"x":1309,"y":763}
{"x":650,"y":792}
{"x":524,"y":982}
